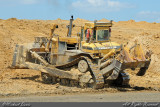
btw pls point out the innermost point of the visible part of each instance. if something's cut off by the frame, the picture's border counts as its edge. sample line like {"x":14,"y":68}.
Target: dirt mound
{"x":12,"y":19}
{"x":131,"y":21}
{"x":80,"y":20}
{"x":103,"y":20}
{"x":14,"y":31}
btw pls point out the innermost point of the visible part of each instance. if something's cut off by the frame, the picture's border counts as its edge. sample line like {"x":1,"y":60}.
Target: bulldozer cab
{"x":95,"y":38}
{"x":96,"y":31}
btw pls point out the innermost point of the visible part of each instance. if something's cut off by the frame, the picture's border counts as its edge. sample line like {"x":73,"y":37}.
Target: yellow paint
{"x":138,"y":52}
{"x":104,"y":48}
{"x":69,"y":40}
{"x":53,"y":27}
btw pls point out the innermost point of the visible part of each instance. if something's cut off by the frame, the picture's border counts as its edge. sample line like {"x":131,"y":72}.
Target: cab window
{"x":102,"y":35}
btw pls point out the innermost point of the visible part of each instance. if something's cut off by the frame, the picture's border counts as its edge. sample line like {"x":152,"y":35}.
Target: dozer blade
{"x":19,"y":57}
{"x":135,"y":58}
{"x":15,"y":55}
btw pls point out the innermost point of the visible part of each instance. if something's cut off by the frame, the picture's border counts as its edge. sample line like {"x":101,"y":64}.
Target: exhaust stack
{"x":70,"y":27}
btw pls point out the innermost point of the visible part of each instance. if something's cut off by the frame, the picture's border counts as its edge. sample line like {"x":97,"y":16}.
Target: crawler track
{"x":96,"y":79}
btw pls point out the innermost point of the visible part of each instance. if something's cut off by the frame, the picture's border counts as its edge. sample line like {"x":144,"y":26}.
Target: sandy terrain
{"x":26,"y":82}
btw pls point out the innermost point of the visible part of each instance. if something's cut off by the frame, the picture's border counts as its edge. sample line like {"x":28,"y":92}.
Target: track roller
{"x":83,"y":66}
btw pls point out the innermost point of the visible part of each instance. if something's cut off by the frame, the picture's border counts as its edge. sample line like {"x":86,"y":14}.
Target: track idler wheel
{"x":83,"y":66}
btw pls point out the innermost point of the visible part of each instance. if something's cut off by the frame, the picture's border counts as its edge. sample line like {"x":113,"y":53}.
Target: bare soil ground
{"x":26,"y":82}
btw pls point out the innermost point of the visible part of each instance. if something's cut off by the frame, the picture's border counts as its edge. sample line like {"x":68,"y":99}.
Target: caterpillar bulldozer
{"x":99,"y":61}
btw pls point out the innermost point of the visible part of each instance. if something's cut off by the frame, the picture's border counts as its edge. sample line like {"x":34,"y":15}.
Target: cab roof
{"x":91,"y":25}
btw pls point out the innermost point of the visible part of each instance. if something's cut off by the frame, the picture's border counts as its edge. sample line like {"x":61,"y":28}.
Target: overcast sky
{"x":117,"y":10}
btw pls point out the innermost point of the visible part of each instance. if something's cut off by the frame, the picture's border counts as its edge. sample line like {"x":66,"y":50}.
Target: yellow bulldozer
{"x":99,"y":61}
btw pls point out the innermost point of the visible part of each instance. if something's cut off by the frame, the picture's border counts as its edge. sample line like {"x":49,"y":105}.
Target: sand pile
{"x":103,"y":20}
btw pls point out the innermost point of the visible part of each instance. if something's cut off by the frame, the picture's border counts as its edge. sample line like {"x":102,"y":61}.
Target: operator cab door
{"x":88,"y":32}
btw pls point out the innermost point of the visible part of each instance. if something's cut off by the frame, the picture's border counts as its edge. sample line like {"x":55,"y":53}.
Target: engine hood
{"x":102,"y":48}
